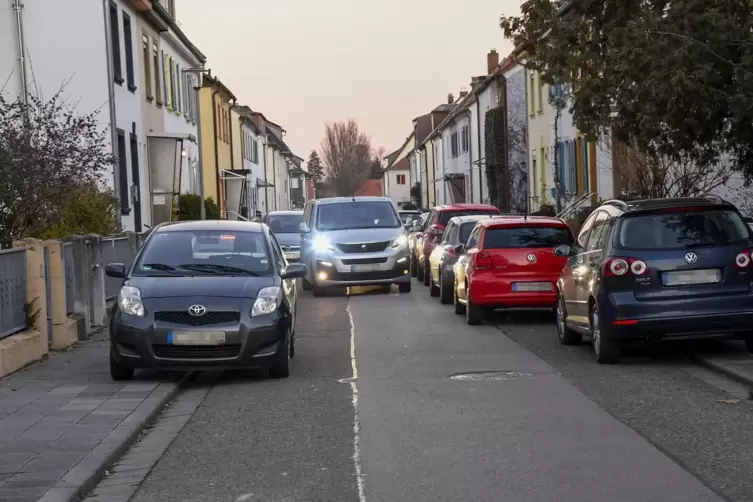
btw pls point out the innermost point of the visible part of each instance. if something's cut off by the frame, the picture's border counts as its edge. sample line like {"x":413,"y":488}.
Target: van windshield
{"x":358,"y":214}
{"x":680,"y":230}
{"x":527,"y":237}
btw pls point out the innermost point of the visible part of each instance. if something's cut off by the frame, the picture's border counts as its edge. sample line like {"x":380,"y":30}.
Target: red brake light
{"x":743,"y":258}
{"x":482,"y":261}
{"x":616,"y":266}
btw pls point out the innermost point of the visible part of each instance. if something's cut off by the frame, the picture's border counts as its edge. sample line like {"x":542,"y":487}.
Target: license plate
{"x":292,"y":256}
{"x":689,"y":277}
{"x":364,"y":268}
{"x":519,"y":287}
{"x":196,"y":337}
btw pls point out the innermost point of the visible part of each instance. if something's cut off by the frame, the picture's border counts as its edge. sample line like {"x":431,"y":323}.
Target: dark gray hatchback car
{"x":654,"y":270}
{"x":205,"y":295}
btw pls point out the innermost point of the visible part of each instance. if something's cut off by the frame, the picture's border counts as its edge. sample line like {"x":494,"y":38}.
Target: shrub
{"x":190,"y":208}
{"x":85,"y":210}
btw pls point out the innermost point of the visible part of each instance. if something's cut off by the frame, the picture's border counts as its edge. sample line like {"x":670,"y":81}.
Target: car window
{"x":214,"y":252}
{"x":447,"y":234}
{"x":409,"y":218}
{"x":307,"y":212}
{"x":429,"y":219}
{"x":473,"y":238}
{"x":675,"y":230}
{"x":594,"y":239}
{"x":357,"y":214}
{"x":580,"y":243}
{"x":284,"y":223}
{"x":279,"y":256}
{"x":527,"y":237}
{"x":465,"y":231}
{"x":446,"y":215}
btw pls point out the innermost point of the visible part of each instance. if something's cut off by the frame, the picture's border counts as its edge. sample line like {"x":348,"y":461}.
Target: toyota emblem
{"x":531,"y":258}
{"x":363,"y":246}
{"x":691,"y":257}
{"x":197,"y":310}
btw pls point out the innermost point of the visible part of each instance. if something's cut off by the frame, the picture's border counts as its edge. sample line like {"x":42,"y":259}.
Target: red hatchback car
{"x":510,"y":262}
{"x":435,"y":224}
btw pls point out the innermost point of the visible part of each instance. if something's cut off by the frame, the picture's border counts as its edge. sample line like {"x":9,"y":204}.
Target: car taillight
{"x":482,"y":261}
{"x":743,"y":258}
{"x":616,"y":266}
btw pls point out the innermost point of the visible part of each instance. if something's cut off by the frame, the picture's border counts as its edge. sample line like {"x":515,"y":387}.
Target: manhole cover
{"x":490,"y":375}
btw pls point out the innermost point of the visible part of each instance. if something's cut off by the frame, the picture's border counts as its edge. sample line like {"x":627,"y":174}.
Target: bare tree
{"x":347,"y":156}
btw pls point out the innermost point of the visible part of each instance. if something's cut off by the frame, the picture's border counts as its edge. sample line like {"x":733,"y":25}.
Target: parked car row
{"x":637,"y":272}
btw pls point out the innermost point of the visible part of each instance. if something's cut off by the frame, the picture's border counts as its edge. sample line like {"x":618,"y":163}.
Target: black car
{"x":286,"y":227}
{"x":659,"y":269}
{"x":205,"y":295}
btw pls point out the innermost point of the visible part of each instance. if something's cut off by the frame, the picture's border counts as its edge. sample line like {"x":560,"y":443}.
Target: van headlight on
{"x":267,"y":301}
{"x":321,"y":245}
{"x":130,"y":302}
{"x":400,"y":241}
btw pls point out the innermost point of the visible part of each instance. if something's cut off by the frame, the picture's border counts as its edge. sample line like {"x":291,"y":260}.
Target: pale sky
{"x":306,"y":62}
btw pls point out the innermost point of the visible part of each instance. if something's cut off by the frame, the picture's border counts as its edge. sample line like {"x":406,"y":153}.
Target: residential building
{"x":216,"y":101}
{"x":243,"y":198}
{"x":297,"y":182}
{"x":395,"y":180}
{"x":423,"y":127}
{"x":277,"y":168}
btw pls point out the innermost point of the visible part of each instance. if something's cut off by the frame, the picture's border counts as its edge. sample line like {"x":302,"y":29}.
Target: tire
{"x":318,"y":290}
{"x":281,"y":368}
{"x":433,"y":288}
{"x":427,"y":275}
{"x":306,"y":285}
{"x":607,"y":351}
{"x":118,"y":372}
{"x":419,"y":272}
{"x":459,"y":307}
{"x":565,"y":334}
{"x":413,"y":265}
{"x":445,"y":293}
{"x":404,"y":287}
{"x":473,"y":314}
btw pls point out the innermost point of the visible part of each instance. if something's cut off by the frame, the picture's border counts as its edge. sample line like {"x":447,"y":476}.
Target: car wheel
{"x":607,"y":351}
{"x":318,"y":290}
{"x":459,"y":307}
{"x":427,"y":275}
{"x":565,"y":334}
{"x":305,"y":284}
{"x":281,"y":368}
{"x":119,"y":372}
{"x":433,"y":288}
{"x":445,"y":293}
{"x":404,"y":287}
{"x":419,"y":272}
{"x":413,"y":266}
{"x":473,"y":313}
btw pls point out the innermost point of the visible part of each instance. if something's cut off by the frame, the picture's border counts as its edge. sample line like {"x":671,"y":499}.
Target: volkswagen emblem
{"x":197,"y":310}
{"x":691,"y":257}
{"x":531,"y":258}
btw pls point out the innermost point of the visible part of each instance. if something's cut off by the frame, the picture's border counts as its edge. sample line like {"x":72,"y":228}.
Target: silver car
{"x":286,"y":227}
{"x":354,"y":241}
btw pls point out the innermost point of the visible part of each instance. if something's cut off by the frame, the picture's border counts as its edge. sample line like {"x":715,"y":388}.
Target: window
{"x":352,"y":215}
{"x":465,"y":138}
{"x":279,"y":256}
{"x":473,"y":238}
{"x":465,"y":232}
{"x":179,"y":87}
{"x":135,"y":175}
{"x":173,"y":93}
{"x":147,"y":55}
{"x":580,"y":243}
{"x":123,"y":173}
{"x":534,"y":182}
{"x":527,"y":237}
{"x":115,"y":35}
{"x":454,"y":144}
{"x":166,"y":81}
{"x":541,"y":95}
{"x":218,"y":120}
{"x":128,"y":41}
{"x":157,"y":83}
{"x":400,"y":179}
{"x":596,"y":239}
{"x":445,"y":216}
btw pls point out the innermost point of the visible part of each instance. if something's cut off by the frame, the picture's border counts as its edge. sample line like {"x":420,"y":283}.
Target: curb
{"x":735,"y":375}
{"x":85,"y":475}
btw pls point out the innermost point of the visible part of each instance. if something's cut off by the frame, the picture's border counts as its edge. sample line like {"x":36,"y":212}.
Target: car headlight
{"x":130,"y":302}
{"x":322,"y":244}
{"x":400,"y":241}
{"x":267,"y":301}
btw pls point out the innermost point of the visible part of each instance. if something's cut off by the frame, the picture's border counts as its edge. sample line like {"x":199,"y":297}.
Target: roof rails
{"x":713,"y":197}
{"x":618,"y":203}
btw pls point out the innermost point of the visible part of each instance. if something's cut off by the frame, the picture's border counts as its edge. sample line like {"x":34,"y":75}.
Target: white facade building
{"x":456,"y":156}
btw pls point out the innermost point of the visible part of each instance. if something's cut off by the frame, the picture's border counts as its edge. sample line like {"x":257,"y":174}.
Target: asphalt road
{"x":560,"y":429}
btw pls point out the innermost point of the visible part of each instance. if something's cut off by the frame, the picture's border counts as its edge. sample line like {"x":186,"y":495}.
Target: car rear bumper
{"x":496,"y":292}
{"x":244,"y":348}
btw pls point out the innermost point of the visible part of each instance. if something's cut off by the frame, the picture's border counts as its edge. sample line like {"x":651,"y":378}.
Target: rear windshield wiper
{"x":219,"y":269}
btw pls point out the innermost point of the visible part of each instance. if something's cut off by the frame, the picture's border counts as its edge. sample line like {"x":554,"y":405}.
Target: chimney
{"x":492,"y":61}
{"x":450,"y":99}
{"x":462,"y":94}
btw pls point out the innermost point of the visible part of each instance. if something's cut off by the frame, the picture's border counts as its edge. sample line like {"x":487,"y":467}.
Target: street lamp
{"x":200,"y":70}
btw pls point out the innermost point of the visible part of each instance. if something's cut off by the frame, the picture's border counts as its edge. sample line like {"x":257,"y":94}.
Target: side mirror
{"x":294,"y":271}
{"x":115,"y":270}
{"x":562,"y":251}
{"x":303,"y":228}
{"x":459,"y":249}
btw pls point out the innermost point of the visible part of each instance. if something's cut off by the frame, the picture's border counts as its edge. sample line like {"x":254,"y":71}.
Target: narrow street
{"x":558,"y":428}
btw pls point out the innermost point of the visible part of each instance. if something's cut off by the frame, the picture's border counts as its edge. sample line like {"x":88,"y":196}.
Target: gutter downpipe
{"x":111,"y":98}
{"x":478,"y":141}
{"x":266,"y":182}
{"x":216,"y":148}
{"x":197,"y":98}
{"x":18,"y":8}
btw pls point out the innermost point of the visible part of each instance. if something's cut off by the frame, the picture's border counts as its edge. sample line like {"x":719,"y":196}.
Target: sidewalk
{"x":732,"y":360}
{"x":63,"y":421}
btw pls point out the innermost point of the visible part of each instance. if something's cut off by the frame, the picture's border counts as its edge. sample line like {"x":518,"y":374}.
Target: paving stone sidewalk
{"x":63,"y":420}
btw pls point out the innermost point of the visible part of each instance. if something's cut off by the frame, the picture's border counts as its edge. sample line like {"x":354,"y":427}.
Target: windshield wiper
{"x":218,"y":269}
{"x":146,"y":267}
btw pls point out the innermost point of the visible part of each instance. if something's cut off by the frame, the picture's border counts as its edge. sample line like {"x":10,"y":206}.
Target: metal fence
{"x":12,"y":291}
{"x":70,"y":277}
{"x":115,"y":250}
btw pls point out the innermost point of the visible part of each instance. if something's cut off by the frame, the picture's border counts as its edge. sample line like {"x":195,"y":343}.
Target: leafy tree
{"x":47,"y":153}
{"x":673,"y":79}
{"x":348,"y":157}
